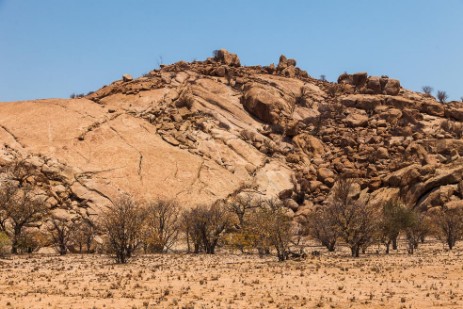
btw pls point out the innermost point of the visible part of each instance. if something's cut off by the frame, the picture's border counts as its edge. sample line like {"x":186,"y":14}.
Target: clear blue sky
{"x":52,"y":48}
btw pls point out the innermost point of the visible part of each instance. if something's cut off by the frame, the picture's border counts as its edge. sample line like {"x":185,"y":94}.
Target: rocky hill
{"x":208,"y":130}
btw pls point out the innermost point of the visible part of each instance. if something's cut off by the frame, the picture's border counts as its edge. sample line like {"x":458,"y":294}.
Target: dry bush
{"x":442,"y":96}
{"x":320,"y":226}
{"x":449,"y":225}
{"x":162,"y":225}
{"x":123,"y":222}
{"x":241,"y":236}
{"x":185,"y":100}
{"x":61,"y":232}
{"x":83,"y":234}
{"x":205,"y":225}
{"x":427,"y":90}
{"x":355,"y":221}
{"x":271,"y":226}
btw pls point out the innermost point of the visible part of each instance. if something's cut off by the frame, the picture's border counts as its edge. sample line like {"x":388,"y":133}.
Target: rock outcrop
{"x":205,"y":131}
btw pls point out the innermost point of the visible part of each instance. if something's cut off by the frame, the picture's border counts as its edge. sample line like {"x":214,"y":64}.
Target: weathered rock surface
{"x":203,"y":131}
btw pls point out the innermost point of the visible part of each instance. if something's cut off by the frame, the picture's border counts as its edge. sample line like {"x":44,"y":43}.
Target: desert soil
{"x":432,"y":278}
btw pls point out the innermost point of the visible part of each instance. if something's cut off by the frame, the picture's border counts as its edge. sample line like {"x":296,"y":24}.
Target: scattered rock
{"x":127,"y":78}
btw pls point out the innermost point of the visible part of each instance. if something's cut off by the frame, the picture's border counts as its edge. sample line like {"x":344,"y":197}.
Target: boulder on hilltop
{"x":227,"y":58}
{"x":365,"y":84}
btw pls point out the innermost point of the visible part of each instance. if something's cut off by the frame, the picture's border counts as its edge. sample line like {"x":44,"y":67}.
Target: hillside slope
{"x":204,"y":131}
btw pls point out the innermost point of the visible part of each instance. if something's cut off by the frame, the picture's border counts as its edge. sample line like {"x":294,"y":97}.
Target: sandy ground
{"x":432,"y":278}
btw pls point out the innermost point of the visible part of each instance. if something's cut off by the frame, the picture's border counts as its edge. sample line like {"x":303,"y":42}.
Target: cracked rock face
{"x":203,"y":131}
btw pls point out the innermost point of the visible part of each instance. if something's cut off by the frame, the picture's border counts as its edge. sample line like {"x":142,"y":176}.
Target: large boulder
{"x":356,"y":120}
{"x":227,"y":58}
{"x":365,"y":102}
{"x":454,"y":113}
{"x":392,"y":87}
{"x":359,"y":79}
{"x":309,"y":144}
{"x":287,"y":67}
{"x":374,"y":85}
{"x":370,"y":85}
{"x":127,"y":78}
{"x":265,"y":103}
{"x":433,"y":108}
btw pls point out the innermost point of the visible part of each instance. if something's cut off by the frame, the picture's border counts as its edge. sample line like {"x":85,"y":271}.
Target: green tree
{"x":395,"y":217}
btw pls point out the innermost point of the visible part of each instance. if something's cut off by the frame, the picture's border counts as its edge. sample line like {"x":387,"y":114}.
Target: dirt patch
{"x":429,"y":279}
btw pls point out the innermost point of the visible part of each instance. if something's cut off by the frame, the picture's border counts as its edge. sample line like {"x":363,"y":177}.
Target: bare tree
{"x":83,"y":234}
{"x":449,"y":225}
{"x":61,"y":232}
{"x":272,"y":226}
{"x":240,"y":205}
{"x":123,"y":222}
{"x":356,"y":221}
{"x":192,"y":238}
{"x":20,"y":210}
{"x":162,"y":225}
{"x":206,"y":225}
{"x":8,"y":192}
{"x":321,"y":227}
{"x":427,"y":90}
{"x":418,"y":227}
{"x":241,"y":235}
{"x":442,"y":96}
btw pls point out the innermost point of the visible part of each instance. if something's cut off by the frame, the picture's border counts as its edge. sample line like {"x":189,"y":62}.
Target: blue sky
{"x":52,"y":48}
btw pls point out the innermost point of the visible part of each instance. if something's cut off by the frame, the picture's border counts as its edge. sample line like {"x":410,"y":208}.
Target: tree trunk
{"x":411,"y":247}
{"x":355,"y":250}
{"x":451,"y":242}
{"x":281,"y":254}
{"x":15,"y":242}
{"x":394,"y":243}
{"x":188,"y":242}
{"x":14,"y":247}
{"x":331,"y":247}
